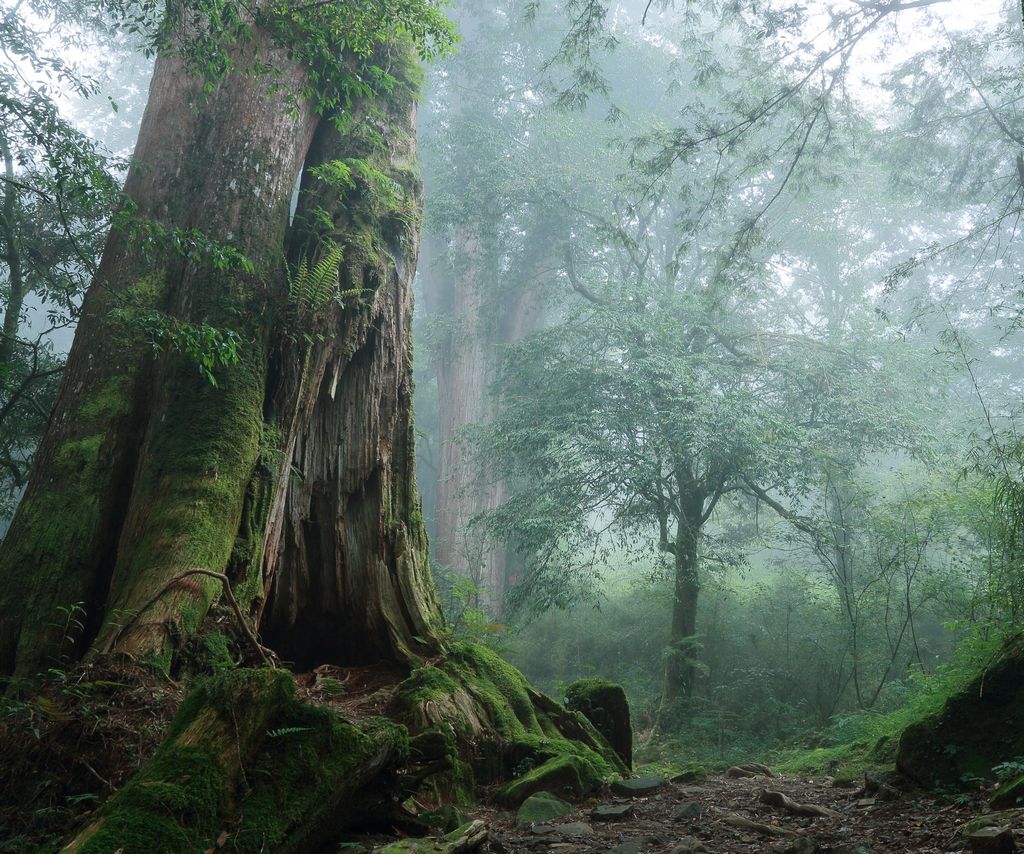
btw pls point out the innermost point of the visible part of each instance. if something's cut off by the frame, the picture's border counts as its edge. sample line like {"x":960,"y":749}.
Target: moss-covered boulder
{"x":977,"y":729}
{"x":567,"y":776}
{"x":542,"y":807}
{"x":604,"y":704}
{"x":246,"y":767}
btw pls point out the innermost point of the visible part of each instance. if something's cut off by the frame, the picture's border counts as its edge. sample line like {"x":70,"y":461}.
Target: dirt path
{"x":696,"y":817}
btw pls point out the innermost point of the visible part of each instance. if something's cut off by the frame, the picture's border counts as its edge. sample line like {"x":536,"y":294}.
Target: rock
{"x":977,"y":728}
{"x":688,"y":811}
{"x":541,"y":807}
{"x":638,"y":786}
{"x":803,"y":845}
{"x":992,"y":840}
{"x":687,"y":845}
{"x":573,"y":828}
{"x":604,"y":704}
{"x":995,"y":819}
{"x":630,"y":846}
{"x":611,"y":812}
{"x":693,"y":774}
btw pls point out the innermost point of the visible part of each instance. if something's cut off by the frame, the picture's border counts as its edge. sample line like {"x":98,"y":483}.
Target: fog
{"x":718,"y":356}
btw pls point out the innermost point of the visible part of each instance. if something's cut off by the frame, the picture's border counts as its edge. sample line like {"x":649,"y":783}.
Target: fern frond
{"x":312,"y":286}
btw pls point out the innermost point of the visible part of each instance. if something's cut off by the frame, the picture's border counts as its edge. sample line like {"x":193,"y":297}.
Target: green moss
{"x":305,"y":775}
{"x":566,"y":775}
{"x":977,"y":729}
{"x":245,"y":757}
{"x":173,"y":805}
{"x":214,"y":652}
{"x":109,"y":400}
{"x":604,"y":704}
{"x":1010,"y":793}
{"x":501,"y":724}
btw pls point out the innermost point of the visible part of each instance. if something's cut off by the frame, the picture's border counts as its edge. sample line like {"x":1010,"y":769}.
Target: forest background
{"x":718,"y":350}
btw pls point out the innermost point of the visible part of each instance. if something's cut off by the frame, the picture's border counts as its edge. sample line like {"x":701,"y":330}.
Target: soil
{"x":661,"y":822}
{"x":72,"y":742}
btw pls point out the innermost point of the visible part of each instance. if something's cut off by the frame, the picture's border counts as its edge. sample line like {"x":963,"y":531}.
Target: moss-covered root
{"x":502,"y":727}
{"x":247,"y":768}
{"x":604,"y":704}
{"x":977,"y":729}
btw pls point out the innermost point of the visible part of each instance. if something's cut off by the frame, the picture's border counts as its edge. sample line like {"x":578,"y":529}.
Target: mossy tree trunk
{"x":680,"y":664}
{"x":293,"y":475}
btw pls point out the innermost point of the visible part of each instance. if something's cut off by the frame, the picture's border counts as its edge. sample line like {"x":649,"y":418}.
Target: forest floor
{"x":704,"y":816}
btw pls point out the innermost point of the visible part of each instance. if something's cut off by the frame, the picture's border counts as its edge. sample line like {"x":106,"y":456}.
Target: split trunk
{"x":293,"y":475}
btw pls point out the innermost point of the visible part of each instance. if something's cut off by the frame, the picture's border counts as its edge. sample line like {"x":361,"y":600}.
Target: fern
{"x":313,"y":285}
{"x":287,"y":730}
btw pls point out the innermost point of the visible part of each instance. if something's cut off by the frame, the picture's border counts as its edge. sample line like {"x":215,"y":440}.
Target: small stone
{"x":574,"y":828}
{"x":688,"y":811}
{"x":541,"y":807}
{"x":638,"y":786}
{"x":992,"y":840}
{"x":687,"y":845}
{"x":804,"y":845}
{"x":611,"y":812}
{"x":630,"y":846}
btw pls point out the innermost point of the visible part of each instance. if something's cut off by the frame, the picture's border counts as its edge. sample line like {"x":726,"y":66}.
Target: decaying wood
{"x":470,"y":839}
{"x":877,"y":789}
{"x":778,"y":799}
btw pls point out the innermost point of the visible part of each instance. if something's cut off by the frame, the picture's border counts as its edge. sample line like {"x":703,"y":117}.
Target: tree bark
{"x":16,"y":289}
{"x":344,"y":556}
{"x":148,"y":471}
{"x":482,"y":318}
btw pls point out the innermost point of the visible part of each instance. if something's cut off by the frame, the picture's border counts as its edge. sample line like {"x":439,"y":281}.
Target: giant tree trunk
{"x":483,"y":315}
{"x":148,"y":470}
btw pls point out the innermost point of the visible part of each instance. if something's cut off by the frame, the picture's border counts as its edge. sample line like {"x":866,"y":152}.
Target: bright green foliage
{"x":314,"y":284}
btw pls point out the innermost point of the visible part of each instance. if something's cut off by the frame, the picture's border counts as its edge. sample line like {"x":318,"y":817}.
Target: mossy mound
{"x":246,"y":767}
{"x":541,"y":807}
{"x":977,"y":729}
{"x":604,"y":704}
{"x":500,"y":723}
{"x":567,"y":776}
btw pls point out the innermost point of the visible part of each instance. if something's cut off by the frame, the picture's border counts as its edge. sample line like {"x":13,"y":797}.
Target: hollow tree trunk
{"x":147,"y":470}
{"x":345,"y":552}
